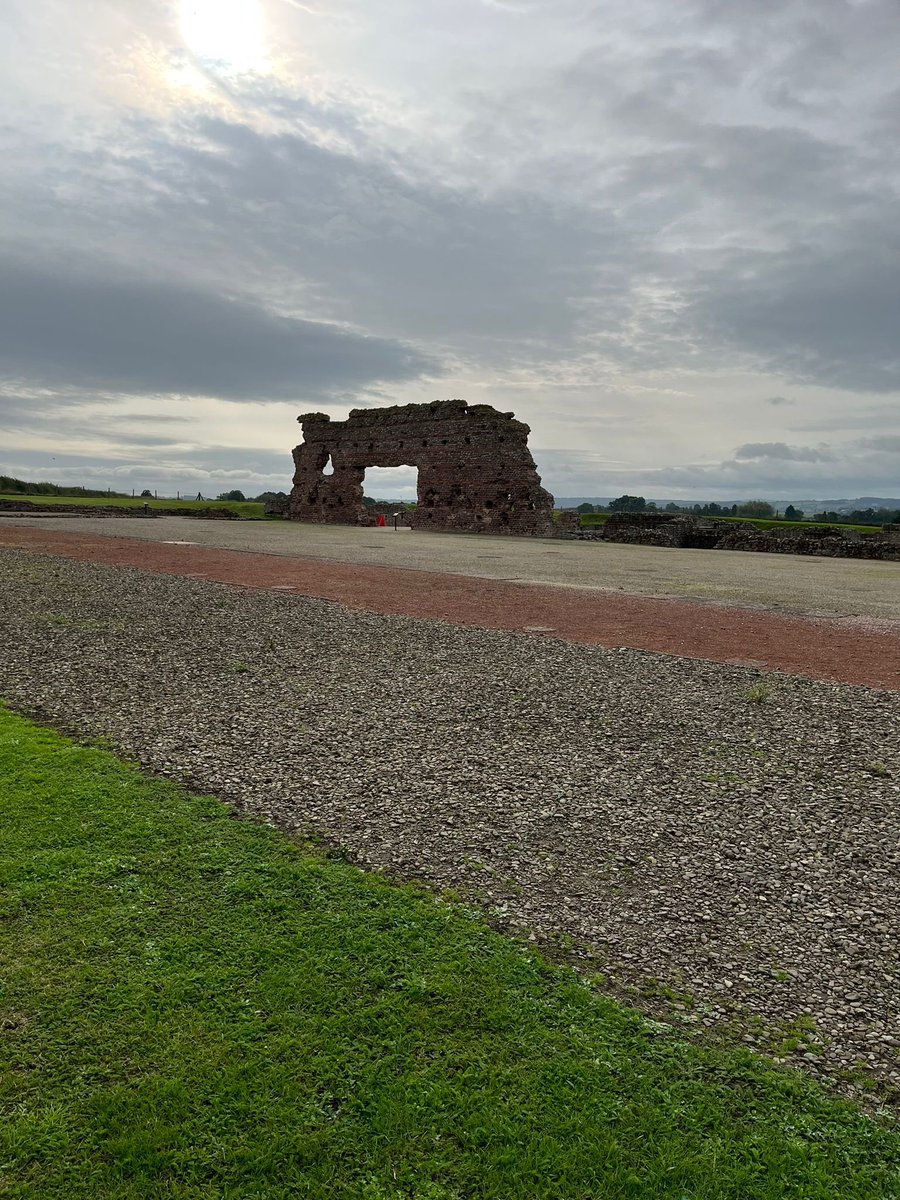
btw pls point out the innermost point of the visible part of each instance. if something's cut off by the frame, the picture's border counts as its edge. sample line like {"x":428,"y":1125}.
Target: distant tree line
{"x":25,"y":487}
{"x":263,"y":497}
{"x":750,"y":509}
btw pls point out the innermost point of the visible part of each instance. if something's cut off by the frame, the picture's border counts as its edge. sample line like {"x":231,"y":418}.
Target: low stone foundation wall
{"x":112,"y":510}
{"x":869,"y":545}
{"x":707,"y":533}
{"x":81,"y":510}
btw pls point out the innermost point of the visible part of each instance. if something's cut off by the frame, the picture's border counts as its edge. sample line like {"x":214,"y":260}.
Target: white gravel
{"x":730,"y":864}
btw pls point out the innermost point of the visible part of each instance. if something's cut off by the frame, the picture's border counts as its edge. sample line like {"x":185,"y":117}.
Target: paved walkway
{"x":845,"y":650}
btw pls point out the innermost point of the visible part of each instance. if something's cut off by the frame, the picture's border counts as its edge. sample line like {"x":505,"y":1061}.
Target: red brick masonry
{"x":844,"y":650}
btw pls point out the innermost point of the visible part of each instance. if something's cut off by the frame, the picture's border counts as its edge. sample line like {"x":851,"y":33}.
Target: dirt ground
{"x":855,"y":647}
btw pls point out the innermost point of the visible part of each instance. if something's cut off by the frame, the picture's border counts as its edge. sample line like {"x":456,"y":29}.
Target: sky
{"x":663,"y":232}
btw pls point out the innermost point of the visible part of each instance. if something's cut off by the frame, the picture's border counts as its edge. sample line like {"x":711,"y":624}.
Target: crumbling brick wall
{"x":688,"y":531}
{"x":476,"y":472}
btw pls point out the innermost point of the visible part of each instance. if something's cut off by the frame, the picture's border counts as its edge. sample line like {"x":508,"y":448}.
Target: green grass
{"x":245,"y":508}
{"x":760,"y":523}
{"x":593,"y":519}
{"x":195,"y":1006}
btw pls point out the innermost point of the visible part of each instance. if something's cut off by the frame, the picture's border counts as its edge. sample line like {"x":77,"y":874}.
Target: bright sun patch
{"x":229,"y":34}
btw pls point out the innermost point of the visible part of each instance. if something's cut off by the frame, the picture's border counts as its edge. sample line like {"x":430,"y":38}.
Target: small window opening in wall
{"x":328,"y":469}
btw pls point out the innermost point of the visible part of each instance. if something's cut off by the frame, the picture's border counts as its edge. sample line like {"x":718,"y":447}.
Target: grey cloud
{"x":140,"y":418}
{"x":389,"y":251}
{"x":137,"y":335}
{"x":853,"y":415}
{"x":826,"y":316}
{"x":854,"y":476}
{"x":169,"y":471}
{"x":780,"y":450}
{"x":887,"y":444}
{"x":619,"y":190}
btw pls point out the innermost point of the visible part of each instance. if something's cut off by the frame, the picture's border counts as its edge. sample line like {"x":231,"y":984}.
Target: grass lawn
{"x":246,"y":508}
{"x":194,"y":1006}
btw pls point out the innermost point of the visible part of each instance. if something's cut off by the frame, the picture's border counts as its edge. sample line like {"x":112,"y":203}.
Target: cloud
{"x":115,"y":331}
{"x":887,"y":444}
{"x":630,"y":222}
{"x":757,"y":451}
{"x":166,"y":470}
{"x":823,"y":315}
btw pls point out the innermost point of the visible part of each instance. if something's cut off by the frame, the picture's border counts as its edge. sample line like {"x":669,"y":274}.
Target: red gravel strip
{"x":841,"y":650}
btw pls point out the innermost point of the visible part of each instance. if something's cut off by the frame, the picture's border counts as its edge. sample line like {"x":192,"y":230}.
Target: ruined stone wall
{"x":707,"y":533}
{"x":861,"y":546}
{"x":660,"y":529}
{"x":476,"y":472}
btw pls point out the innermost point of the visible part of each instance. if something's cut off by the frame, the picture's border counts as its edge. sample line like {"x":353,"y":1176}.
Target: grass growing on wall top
{"x":759,"y":522}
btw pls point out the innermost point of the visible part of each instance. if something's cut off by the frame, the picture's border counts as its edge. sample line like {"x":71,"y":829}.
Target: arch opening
{"x":390,"y":485}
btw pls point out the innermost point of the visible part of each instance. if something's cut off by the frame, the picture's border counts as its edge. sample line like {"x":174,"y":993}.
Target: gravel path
{"x":780,"y":582}
{"x":860,"y":650}
{"x":730,"y":861}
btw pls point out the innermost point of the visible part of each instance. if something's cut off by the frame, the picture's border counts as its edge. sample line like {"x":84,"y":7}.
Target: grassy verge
{"x":194,"y":1006}
{"x":760,"y":523}
{"x":245,"y":508}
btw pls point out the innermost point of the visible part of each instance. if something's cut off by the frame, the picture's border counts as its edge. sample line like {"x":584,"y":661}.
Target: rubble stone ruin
{"x":476,"y":472}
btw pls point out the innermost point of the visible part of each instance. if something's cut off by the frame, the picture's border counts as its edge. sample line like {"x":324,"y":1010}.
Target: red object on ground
{"x":843,"y":650}
{"x":379,"y":521}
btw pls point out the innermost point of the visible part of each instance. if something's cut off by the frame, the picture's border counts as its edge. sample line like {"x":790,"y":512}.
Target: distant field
{"x":760,"y":523}
{"x":245,"y":508}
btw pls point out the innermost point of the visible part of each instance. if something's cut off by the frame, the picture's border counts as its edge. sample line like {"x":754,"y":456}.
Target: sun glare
{"x":228,"y":34}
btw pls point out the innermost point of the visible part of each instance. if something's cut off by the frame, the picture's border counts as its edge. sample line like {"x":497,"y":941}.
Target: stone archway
{"x":476,"y":472}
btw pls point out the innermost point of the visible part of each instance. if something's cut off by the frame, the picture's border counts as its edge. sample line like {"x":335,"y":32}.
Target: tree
{"x":146,"y":494}
{"x":756,"y":508}
{"x":628,"y":504}
{"x":793,"y":514}
{"x":233,"y":495}
{"x":673,"y":507}
{"x":585,"y":508}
